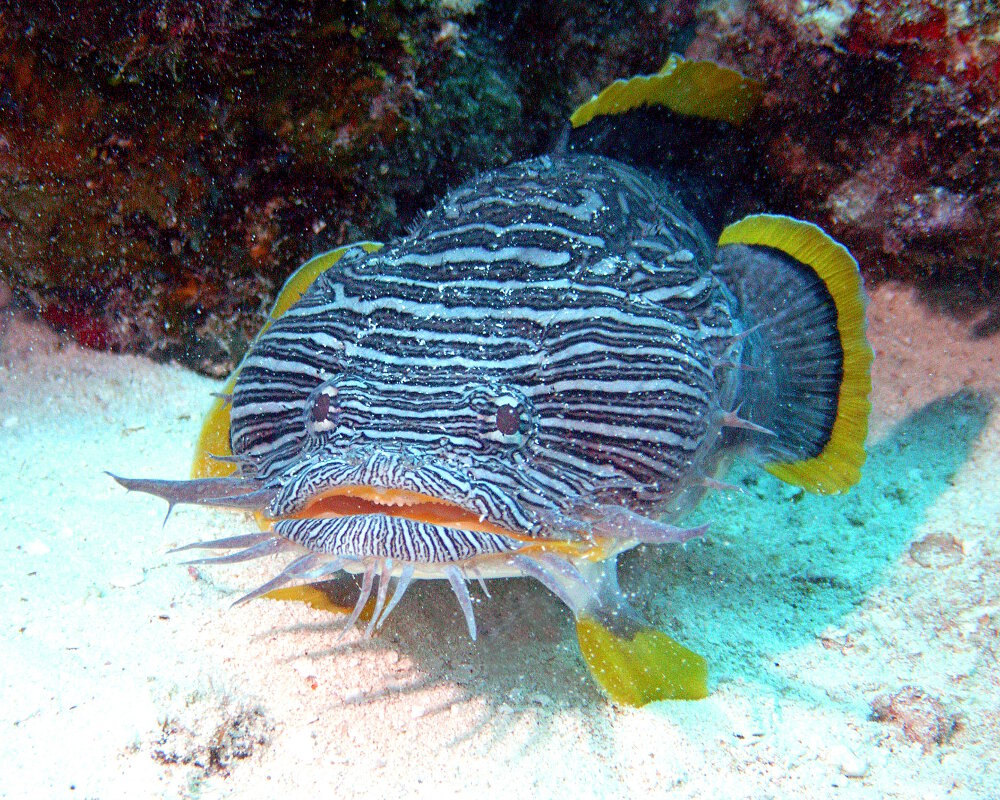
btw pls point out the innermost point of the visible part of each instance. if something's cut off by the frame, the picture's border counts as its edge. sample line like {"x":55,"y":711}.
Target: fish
{"x":549,"y":369}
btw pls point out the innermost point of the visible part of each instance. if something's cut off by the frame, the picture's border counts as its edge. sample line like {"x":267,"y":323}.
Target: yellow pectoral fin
{"x":323,"y":597}
{"x":213,"y":440}
{"x":649,"y":666}
{"x":837,"y":465}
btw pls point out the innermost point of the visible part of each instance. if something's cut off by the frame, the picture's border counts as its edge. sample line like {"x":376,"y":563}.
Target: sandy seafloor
{"x":853,"y":641}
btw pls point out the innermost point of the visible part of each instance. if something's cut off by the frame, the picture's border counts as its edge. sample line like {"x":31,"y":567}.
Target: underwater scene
{"x":500,"y":399}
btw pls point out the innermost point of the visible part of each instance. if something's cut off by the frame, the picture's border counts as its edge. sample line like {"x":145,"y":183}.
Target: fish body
{"x":549,"y":369}
{"x":542,"y":346}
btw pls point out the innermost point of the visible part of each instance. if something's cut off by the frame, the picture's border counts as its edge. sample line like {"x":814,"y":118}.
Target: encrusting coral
{"x":882,"y":122}
{"x":164,"y":166}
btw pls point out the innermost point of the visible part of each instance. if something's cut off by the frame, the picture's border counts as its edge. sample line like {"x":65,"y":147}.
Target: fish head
{"x":356,"y":406}
{"x":434,"y":436}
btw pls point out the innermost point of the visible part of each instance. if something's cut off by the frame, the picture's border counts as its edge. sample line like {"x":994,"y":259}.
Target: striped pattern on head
{"x":545,"y":339}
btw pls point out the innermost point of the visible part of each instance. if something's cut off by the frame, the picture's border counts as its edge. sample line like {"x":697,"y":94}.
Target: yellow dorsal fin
{"x":838,"y":466}
{"x":693,"y":88}
{"x":213,"y":440}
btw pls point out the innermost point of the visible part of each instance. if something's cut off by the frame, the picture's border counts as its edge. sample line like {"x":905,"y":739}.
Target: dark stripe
{"x":577,"y":285}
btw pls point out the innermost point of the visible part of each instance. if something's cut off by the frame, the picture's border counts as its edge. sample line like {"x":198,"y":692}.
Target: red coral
{"x":916,"y":31}
{"x":932,"y":39}
{"x":881,"y":121}
{"x":85,"y":328}
{"x":890,"y":204}
{"x":887,"y":24}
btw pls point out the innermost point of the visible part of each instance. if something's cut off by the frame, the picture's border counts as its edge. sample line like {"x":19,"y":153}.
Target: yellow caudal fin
{"x":692,"y":88}
{"x":803,"y":300}
{"x":640,"y":668}
{"x":213,"y":440}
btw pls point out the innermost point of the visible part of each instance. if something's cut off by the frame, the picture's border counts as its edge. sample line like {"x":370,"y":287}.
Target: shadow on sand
{"x":776,"y":568}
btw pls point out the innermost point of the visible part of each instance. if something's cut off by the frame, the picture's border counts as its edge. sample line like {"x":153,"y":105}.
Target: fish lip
{"x":355,"y":500}
{"x":388,"y":483}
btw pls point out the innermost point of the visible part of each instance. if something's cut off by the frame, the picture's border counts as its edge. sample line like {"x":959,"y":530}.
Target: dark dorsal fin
{"x":683,"y":125}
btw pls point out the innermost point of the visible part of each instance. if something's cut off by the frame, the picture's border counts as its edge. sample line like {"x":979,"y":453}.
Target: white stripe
{"x":535,"y":256}
{"x":615,"y":387}
{"x":627,"y":432}
{"x":518,"y":312}
{"x":685,"y":291}
{"x":585,"y":211}
{"x":529,"y":227}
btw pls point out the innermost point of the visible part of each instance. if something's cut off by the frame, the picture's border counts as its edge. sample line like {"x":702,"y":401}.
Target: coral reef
{"x":165,"y":165}
{"x":161,"y":175}
{"x":882,"y":123}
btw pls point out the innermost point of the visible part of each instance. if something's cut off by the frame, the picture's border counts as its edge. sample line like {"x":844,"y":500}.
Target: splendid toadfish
{"x":551,"y":368}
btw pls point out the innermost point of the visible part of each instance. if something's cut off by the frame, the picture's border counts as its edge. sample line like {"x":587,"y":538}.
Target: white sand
{"x":125,"y":674}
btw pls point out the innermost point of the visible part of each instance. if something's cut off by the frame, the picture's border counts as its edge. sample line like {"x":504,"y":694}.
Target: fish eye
{"x":322,"y":414}
{"x":508,"y":419}
{"x":321,"y":408}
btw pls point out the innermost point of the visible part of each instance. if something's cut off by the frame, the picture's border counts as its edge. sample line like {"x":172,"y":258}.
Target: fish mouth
{"x":392,"y":535}
{"x":316,"y":509}
{"x":389,"y":535}
{"x":366,"y":499}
